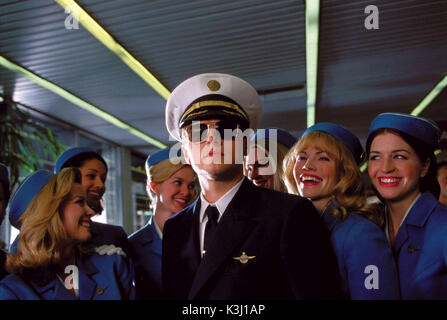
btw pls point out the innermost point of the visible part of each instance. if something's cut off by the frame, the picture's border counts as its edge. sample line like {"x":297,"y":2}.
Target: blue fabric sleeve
{"x":369,"y":267}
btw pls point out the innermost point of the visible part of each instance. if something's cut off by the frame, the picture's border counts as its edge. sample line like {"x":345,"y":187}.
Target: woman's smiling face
{"x":94,"y":175}
{"x":76,"y":214}
{"x":315,"y":173}
{"x":394,"y":167}
{"x":177,"y":192}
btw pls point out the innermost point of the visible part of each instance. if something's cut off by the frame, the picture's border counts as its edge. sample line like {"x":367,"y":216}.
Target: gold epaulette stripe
{"x":201,"y":104}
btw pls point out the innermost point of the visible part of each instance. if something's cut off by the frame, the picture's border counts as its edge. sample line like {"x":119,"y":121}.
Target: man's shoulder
{"x":270,"y":205}
{"x":108,"y":234}
{"x":107,"y":227}
{"x":12,"y":279}
{"x":185,"y":214}
{"x":12,"y":287}
{"x":142,"y":234}
{"x":102,"y":261}
{"x":272,"y":197}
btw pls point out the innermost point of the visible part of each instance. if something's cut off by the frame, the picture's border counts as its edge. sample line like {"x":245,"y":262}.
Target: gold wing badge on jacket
{"x":244,"y":258}
{"x":100,"y":291}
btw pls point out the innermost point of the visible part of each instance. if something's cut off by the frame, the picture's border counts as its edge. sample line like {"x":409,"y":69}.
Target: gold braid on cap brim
{"x":234,"y":109}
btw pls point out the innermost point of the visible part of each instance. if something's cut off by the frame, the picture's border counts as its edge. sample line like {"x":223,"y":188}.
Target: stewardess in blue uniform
{"x":324,"y":167}
{"x":171,"y":187}
{"x":93,"y":167}
{"x":51,"y":262}
{"x":402,"y":169}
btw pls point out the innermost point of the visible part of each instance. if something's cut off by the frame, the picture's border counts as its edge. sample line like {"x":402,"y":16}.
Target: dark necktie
{"x":213,"y":214}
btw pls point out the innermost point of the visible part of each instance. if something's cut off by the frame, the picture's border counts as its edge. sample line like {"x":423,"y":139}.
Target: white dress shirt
{"x":221,"y":205}
{"x":157,"y":228}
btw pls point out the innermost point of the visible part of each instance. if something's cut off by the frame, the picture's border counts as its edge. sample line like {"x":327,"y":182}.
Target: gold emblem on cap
{"x":213,"y":85}
{"x":244,"y":258}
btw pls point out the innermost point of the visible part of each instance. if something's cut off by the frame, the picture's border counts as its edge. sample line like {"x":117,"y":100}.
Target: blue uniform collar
{"x":416,"y":217}
{"x":156,"y":241}
{"x":148,"y":236}
{"x":87,"y":285}
{"x":421,"y":210}
{"x":59,"y":291}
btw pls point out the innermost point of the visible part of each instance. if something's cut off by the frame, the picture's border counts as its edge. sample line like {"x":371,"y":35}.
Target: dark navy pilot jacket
{"x":420,"y":249}
{"x":100,"y":278}
{"x":145,"y":252}
{"x":358,"y":244}
{"x":286,"y":242}
{"x":103,"y":233}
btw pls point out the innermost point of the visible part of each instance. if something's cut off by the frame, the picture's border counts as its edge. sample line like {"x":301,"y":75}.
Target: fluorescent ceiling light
{"x":79,"y":102}
{"x":430,"y":97}
{"x":106,"y":39}
{"x":312,"y":32}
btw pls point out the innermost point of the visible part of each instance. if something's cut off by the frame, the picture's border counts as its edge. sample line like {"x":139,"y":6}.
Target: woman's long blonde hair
{"x":349,"y":192}
{"x":43,"y":237}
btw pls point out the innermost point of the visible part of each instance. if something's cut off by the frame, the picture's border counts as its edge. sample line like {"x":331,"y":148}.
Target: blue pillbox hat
{"x":282,"y":136}
{"x":25,"y":193}
{"x":70,"y":153}
{"x":349,"y":139}
{"x":162,"y":155}
{"x":424,"y":129}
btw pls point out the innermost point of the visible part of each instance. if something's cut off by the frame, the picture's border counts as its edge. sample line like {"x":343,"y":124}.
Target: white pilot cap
{"x":212,"y":96}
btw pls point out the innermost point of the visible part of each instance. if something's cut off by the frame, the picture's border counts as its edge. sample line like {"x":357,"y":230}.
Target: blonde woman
{"x":263,"y":163}
{"x":51,"y":262}
{"x":323,"y":167}
{"x":171,"y":187}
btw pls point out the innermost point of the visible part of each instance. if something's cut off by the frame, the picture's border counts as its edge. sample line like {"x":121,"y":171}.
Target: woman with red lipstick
{"x":402,"y":169}
{"x":171,"y":187}
{"x":323,"y":166}
{"x":53,"y":261}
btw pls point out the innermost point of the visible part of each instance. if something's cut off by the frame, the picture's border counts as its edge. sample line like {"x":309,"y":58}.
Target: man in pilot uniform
{"x":237,"y":241}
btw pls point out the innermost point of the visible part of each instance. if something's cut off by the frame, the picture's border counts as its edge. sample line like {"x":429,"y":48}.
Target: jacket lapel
{"x":155,"y":240}
{"x":417,"y":217}
{"x":54,"y":290}
{"x":410,"y":254}
{"x":401,"y":238}
{"x":150,"y":242}
{"x":181,"y":253}
{"x":234,"y":226}
{"x":87,"y":286}
{"x":190,"y":235}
